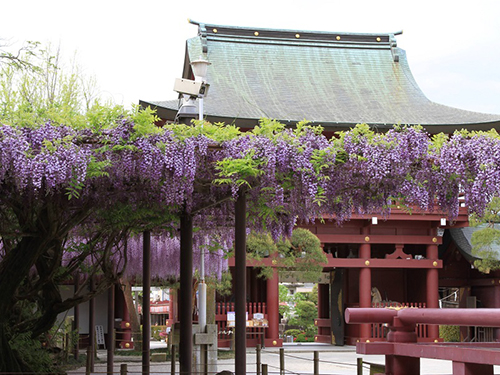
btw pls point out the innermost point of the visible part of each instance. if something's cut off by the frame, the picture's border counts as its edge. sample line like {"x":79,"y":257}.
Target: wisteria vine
{"x":289,"y":175}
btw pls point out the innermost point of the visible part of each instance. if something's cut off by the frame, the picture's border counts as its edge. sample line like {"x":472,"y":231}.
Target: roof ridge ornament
{"x":202,"y":32}
{"x":394,"y":45}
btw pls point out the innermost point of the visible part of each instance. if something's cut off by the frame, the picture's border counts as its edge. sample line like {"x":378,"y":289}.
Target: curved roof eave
{"x":336,"y":80}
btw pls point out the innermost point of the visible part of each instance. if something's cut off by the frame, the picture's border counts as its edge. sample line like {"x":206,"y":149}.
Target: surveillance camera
{"x":190,"y":87}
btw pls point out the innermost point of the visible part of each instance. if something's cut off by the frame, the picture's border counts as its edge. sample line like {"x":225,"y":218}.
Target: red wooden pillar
{"x":365,"y":284}
{"x":432,"y":288}
{"x":273,"y":314}
{"x":126,"y":329}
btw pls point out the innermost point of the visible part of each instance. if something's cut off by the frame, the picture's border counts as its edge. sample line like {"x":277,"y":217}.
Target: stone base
{"x":158,"y":357}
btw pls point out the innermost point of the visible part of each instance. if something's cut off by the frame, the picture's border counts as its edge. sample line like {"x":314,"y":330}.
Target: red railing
{"x":379,"y":330}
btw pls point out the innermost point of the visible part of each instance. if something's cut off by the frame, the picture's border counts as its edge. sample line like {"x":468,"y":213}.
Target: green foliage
{"x":313,"y":295}
{"x":449,"y":333}
{"x":31,"y":97}
{"x":259,"y":246}
{"x":300,"y":336}
{"x":305,"y":337}
{"x":101,"y":116}
{"x":218,"y":132}
{"x":32,"y":353}
{"x":223,"y":286}
{"x":293,"y":332}
{"x":239,"y":171}
{"x":155,"y":332}
{"x":268,"y":127}
{"x":47,"y":92}
{"x":302,"y":254}
{"x":284,"y":296}
{"x":486,"y":241}
{"x":305,"y":314}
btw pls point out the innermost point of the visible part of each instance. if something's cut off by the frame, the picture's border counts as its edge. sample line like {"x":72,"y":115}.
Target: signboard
{"x":231,"y":318}
{"x":257,"y":321}
{"x":99,"y":336}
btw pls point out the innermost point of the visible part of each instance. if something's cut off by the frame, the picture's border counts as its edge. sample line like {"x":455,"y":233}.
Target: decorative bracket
{"x":399,"y":253}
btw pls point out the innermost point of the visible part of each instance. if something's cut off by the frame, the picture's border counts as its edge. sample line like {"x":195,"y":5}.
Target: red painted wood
{"x":360,"y":263}
{"x":273,"y":306}
{"x":408,"y":316}
{"x":461,"y":368}
{"x":380,"y":239}
{"x":365,"y":287}
{"x":398,"y":365}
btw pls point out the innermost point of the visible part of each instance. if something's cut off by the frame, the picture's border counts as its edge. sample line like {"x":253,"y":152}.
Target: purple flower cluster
{"x":42,"y":159}
{"x":290,"y":176}
{"x":165,"y":255}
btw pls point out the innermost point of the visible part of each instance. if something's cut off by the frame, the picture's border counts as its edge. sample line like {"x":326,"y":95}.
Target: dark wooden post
{"x":172,"y":359}
{"x":111,"y":323}
{"x":185,"y":305}
{"x":257,"y":355}
{"x":91,"y":325}
{"x":76,"y":320}
{"x":337,"y":306}
{"x":146,"y":292}
{"x":282,"y":361}
{"x":240,"y":284}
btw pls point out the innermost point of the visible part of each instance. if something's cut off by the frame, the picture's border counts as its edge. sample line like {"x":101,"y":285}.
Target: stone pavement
{"x":333,"y":360}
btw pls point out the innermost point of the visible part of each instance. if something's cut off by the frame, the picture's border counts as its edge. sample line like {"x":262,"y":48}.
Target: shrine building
{"x":338,"y":80}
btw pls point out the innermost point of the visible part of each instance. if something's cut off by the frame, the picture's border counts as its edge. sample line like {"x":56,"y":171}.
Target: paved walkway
{"x":298,"y":360}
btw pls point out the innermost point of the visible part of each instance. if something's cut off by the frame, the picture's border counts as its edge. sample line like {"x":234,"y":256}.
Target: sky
{"x":135,"y":49}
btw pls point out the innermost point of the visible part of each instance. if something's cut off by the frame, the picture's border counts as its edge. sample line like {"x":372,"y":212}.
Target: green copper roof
{"x":333,"y":79}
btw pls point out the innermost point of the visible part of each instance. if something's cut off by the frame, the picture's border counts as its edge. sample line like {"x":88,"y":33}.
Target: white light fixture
{"x":443,"y":221}
{"x":200,"y":68}
{"x":374,"y":220}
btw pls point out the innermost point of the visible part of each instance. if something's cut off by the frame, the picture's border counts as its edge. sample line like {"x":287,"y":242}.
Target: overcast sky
{"x":135,"y":49}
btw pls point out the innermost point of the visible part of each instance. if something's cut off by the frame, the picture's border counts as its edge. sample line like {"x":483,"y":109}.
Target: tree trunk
{"x":9,"y":361}
{"x":134,"y":318}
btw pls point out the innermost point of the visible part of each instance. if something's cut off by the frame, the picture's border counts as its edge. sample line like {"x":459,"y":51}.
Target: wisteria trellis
{"x":297,"y":175}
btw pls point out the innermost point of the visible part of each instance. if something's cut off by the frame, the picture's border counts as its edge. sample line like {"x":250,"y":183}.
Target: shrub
{"x":304,"y":337}
{"x":449,"y":333}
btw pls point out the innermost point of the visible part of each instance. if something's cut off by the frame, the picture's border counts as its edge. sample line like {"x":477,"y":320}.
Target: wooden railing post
{"x":360,"y":366}
{"x":282,"y":361}
{"x":258,"y":349}
{"x":89,"y":360}
{"x":172,"y":359}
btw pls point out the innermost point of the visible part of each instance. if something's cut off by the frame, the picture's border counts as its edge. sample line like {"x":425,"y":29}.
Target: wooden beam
{"x":359,"y":263}
{"x":380,"y":239}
